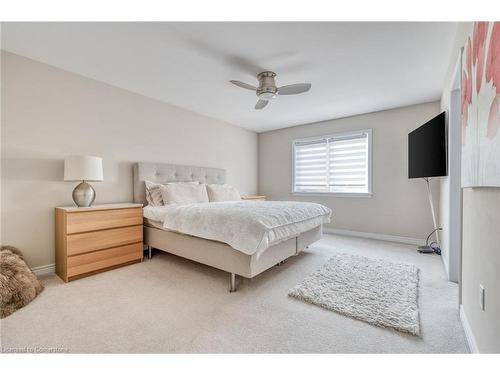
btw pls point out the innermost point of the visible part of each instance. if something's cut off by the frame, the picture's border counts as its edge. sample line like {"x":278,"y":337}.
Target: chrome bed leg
{"x":149,"y":252}
{"x":232,"y":283}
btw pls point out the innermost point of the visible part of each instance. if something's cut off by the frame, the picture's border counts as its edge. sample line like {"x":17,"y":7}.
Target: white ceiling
{"x":353,"y":67}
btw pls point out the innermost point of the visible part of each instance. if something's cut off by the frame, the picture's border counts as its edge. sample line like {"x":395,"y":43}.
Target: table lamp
{"x":83,"y":168}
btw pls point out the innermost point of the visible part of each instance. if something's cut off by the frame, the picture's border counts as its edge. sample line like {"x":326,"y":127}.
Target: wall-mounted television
{"x":427,"y":149}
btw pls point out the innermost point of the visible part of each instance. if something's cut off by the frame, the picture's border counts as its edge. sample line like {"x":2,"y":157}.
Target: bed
{"x":211,"y":252}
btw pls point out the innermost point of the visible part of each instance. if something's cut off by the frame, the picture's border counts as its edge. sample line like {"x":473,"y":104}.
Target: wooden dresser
{"x":98,"y":238}
{"x":254,"y":197}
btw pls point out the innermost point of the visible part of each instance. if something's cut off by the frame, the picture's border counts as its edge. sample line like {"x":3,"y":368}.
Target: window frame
{"x":368,"y":194}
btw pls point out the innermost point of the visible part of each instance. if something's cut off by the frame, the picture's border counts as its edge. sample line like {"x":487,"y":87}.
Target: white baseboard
{"x":375,"y":236}
{"x":48,"y":269}
{"x":469,"y":336}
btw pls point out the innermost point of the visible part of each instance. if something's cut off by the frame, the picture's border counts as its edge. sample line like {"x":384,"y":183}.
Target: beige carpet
{"x":170,"y":304}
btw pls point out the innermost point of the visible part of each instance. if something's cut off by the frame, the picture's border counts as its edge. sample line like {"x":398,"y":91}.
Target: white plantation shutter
{"x":333,"y":164}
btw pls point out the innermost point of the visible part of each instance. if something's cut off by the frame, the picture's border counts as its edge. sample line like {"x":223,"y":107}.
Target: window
{"x":334,"y":164}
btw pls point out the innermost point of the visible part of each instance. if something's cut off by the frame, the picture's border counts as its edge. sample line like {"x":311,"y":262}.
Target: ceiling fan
{"x":268,"y":90}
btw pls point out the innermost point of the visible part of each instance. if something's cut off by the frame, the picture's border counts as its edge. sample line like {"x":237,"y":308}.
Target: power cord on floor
{"x":433,"y":245}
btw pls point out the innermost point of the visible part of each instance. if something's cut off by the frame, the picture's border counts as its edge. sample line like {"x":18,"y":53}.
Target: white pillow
{"x":222,"y":193}
{"x":153,"y":191}
{"x":184,"y":193}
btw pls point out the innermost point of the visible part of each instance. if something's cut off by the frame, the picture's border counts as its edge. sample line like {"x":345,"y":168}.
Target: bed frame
{"x":211,"y":253}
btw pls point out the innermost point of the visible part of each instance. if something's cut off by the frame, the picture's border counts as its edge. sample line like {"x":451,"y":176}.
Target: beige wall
{"x":399,"y":206}
{"x":49,"y":113}
{"x":481,"y":265}
{"x":480,"y":241}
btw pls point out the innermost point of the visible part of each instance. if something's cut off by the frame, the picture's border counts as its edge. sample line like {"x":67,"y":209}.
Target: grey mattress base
{"x":224,"y":257}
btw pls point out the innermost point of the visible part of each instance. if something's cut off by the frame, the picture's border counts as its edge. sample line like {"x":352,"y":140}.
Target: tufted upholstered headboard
{"x":161,"y":172}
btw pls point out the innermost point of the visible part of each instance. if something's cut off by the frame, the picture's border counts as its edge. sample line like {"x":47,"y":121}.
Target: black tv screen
{"x":427,"y":149}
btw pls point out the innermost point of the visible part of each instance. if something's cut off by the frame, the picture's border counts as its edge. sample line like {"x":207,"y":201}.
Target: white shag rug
{"x":373,"y":290}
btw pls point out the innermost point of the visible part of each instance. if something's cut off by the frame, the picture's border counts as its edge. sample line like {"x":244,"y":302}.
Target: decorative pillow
{"x":184,"y":193}
{"x":222,"y":193}
{"x":153,"y":191}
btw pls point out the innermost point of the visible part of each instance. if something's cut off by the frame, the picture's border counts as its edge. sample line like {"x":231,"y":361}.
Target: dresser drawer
{"x":84,"y":263}
{"x":253,"y":197}
{"x":85,"y":221}
{"x":85,"y":242}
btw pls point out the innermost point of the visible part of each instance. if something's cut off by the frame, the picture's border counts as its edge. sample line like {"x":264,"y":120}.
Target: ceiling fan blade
{"x":261,"y":104}
{"x":296,"y":88}
{"x":243,"y":85}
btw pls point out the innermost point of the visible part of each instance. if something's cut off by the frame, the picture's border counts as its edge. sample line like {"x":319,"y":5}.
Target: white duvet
{"x":247,"y":226}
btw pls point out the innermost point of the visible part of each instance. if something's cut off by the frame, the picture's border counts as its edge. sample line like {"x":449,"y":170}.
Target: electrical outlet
{"x":481,"y":296}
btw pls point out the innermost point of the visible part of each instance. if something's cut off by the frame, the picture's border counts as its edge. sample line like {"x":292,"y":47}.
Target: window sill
{"x":337,"y":195}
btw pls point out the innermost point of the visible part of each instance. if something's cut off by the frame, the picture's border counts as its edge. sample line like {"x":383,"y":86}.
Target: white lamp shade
{"x":79,"y":168}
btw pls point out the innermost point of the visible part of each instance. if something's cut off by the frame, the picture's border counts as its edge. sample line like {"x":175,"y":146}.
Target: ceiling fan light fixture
{"x":268,"y":90}
{"x":266,"y":95}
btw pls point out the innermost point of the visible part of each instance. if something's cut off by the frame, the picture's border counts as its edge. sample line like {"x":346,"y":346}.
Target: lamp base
{"x":83,"y":194}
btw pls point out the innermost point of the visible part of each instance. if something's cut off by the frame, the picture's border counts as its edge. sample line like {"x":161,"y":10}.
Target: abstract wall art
{"x":480,"y":117}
